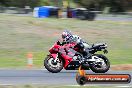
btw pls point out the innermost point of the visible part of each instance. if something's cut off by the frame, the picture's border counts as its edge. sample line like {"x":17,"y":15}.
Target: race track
{"x":11,"y":77}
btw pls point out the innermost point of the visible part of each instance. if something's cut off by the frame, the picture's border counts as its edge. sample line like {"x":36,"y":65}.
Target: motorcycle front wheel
{"x":102,"y":66}
{"x":52,"y":66}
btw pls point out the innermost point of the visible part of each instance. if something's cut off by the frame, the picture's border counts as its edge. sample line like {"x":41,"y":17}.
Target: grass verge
{"x":20,"y":35}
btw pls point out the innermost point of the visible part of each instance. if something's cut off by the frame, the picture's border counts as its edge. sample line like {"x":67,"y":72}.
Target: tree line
{"x":114,"y":5}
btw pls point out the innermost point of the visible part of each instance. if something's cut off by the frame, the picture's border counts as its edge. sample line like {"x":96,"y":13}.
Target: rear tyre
{"x":101,"y":69}
{"x":52,"y":66}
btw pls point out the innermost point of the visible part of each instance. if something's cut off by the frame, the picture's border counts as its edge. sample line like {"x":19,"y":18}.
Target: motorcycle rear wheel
{"x":51,"y":67}
{"x":97,"y":69}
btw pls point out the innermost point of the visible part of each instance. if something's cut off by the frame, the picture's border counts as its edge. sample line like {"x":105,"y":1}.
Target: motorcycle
{"x":69,"y":57}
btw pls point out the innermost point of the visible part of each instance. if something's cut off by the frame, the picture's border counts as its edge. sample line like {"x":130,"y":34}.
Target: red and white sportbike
{"x":68,"y":56}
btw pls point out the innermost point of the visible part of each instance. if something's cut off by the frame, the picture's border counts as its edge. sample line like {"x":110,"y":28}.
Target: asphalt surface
{"x":12,"y":77}
{"x":114,"y":18}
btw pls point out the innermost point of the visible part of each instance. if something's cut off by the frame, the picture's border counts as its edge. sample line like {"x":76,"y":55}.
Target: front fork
{"x":56,"y":59}
{"x":55,"y":56}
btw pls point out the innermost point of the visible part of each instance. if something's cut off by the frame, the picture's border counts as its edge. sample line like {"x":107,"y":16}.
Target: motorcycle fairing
{"x":54,"y":55}
{"x":73,"y":65}
{"x":67,"y":60}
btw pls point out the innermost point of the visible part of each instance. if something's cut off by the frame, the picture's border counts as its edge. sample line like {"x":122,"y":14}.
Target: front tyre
{"x":52,"y":66}
{"x":102,"y":65}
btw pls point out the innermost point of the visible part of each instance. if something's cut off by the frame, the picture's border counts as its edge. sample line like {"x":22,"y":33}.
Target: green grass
{"x":20,"y":35}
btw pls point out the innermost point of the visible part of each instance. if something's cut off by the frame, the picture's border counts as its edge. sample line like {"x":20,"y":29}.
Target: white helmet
{"x":66,"y":36}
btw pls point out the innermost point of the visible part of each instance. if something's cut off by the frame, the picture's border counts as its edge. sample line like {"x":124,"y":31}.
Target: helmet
{"x":66,"y":35}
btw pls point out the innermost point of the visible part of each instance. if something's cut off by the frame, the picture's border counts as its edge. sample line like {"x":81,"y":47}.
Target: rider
{"x":69,"y":38}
